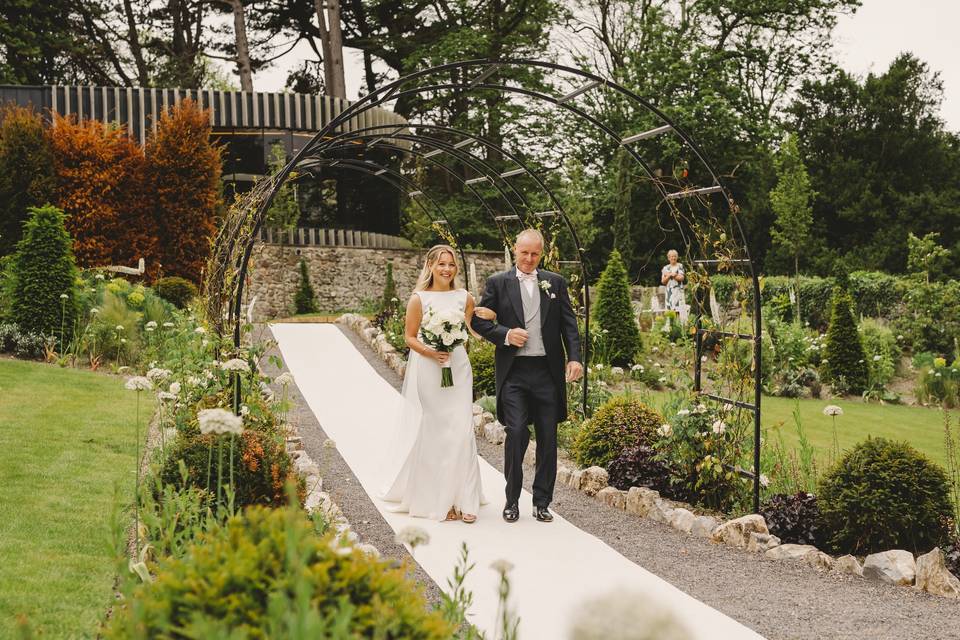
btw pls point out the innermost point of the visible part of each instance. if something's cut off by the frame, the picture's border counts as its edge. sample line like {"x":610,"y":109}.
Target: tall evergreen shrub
{"x":304,"y":300}
{"x":43,"y":269}
{"x":846,"y":362}
{"x":614,"y":312}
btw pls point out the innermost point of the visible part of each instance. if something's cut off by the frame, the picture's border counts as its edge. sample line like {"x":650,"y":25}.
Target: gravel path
{"x":780,"y":600}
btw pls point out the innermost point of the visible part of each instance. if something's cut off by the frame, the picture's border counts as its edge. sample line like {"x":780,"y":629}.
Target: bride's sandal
{"x":468,"y":518}
{"x":452,"y":515}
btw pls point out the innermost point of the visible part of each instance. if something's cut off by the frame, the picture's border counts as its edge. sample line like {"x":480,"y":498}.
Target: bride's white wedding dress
{"x":433,"y":464}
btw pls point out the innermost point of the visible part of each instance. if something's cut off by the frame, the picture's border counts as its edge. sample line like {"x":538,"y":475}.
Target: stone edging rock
{"x":926,"y":573}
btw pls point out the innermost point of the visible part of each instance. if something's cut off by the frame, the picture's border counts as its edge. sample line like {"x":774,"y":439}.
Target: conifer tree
{"x":614,"y":312}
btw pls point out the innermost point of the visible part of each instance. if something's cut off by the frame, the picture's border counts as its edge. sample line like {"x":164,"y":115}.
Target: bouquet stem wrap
{"x":446,"y":377}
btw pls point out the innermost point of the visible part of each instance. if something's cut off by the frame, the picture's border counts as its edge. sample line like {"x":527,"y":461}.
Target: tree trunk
{"x":324,"y":45}
{"x":133,"y":41}
{"x":338,"y":87}
{"x":243,"y":47}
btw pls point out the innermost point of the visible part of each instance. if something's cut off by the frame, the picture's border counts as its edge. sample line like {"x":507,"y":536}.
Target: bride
{"x":435,"y":472}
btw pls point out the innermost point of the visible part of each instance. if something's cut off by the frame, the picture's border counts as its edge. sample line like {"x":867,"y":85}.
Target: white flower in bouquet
{"x":138,"y":383}
{"x":447,"y":338}
{"x":236,"y":364}
{"x":219,"y":421}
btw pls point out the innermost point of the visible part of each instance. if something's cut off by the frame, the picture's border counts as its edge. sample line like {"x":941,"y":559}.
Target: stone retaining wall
{"x":343,"y":278}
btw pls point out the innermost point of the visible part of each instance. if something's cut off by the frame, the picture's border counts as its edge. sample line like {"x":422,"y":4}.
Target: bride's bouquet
{"x":444,"y":331}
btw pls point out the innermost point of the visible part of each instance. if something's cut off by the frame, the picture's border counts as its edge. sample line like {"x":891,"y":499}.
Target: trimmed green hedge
{"x":875,"y":294}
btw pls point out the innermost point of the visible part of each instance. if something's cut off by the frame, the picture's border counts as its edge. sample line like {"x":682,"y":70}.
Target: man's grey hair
{"x":526,"y":233}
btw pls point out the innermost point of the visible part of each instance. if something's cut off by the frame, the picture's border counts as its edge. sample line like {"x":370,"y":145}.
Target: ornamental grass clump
{"x":618,"y":425}
{"x":884,"y":495}
{"x":845,"y":364}
{"x":266,"y":574}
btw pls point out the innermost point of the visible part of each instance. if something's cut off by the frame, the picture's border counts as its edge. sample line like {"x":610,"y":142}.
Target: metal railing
{"x":314,"y":237}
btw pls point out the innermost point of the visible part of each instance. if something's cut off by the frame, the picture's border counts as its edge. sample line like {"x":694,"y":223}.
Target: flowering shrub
{"x":705,"y":446}
{"x":937,"y":382}
{"x":267,"y":574}
{"x":884,"y":495}
{"x":620,"y":424}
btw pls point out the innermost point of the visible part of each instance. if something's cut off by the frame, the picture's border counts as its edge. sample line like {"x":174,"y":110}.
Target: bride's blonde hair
{"x":425,"y":281}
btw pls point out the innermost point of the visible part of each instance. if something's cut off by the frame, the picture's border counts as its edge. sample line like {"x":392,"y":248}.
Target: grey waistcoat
{"x":531,"y":318}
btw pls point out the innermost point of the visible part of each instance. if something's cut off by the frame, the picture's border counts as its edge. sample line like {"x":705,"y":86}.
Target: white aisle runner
{"x":556,"y":566}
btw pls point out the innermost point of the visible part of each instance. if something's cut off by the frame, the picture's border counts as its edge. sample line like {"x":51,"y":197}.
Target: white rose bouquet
{"x":444,"y":331}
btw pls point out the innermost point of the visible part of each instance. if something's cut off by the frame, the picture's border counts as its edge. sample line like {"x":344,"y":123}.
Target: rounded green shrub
{"x":884,"y":495}
{"x":620,"y":424}
{"x":261,"y":466}
{"x":43,"y":270}
{"x":176,"y":290}
{"x":266,"y":574}
{"x":846,"y":364}
{"x":482,"y":355}
{"x":614,"y":313}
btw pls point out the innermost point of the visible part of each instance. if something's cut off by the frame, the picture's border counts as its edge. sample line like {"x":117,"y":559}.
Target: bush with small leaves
{"x":261,"y":467}
{"x":176,"y":290}
{"x":639,"y":467}
{"x":481,"y":360}
{"x":267,"y":574}
{"x":884,"y":495}
{"x":618,"y":425}
{"x":795,"y":519}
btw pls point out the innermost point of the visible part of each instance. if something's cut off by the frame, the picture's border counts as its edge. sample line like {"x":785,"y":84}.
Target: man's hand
{"x":517,"y":337}
{"x":574,"y":371}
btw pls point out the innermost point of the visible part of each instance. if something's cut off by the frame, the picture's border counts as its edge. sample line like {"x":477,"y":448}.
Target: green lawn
{"x":66,"y":441}
{"x":922,"y":427}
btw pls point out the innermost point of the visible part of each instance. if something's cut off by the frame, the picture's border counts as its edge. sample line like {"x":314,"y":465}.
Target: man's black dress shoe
{"x":511,"y":512}
{"x":542,"y":514}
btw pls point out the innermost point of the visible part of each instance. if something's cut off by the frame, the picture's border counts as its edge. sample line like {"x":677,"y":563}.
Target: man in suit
{"x":538,"y":351}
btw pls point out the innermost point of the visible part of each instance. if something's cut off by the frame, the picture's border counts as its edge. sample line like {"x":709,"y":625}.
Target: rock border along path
{"x":781,"y":599}
{"x":557,"y":566}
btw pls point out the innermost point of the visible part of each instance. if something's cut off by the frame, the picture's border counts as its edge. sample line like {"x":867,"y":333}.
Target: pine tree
{"x":845,"y":358}
{"x":614,"y":312}
{"x":304,"y":300}
{"x":43,"y":270}
{"x":26,"y":171}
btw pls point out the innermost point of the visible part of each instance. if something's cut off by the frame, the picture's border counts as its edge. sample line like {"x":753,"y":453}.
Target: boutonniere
{"x":544,"y":285}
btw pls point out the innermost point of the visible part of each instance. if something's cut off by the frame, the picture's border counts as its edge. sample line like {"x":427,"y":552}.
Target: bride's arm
{"x":411,"y":328}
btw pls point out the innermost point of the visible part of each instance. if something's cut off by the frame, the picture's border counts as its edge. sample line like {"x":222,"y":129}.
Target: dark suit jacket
{"x":558,"y":325}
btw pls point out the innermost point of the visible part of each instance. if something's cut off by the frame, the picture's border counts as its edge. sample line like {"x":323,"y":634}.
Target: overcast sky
{"x":867,"y":41}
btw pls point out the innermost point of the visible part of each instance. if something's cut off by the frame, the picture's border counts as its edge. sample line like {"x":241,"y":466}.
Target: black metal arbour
{"x":327,"y":138}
